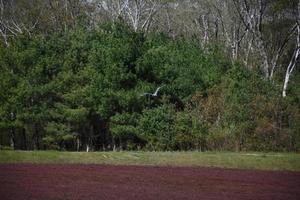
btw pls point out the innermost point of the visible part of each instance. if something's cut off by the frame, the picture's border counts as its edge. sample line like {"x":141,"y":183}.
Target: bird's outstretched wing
{"x":156,"y":91}
{"x":146,"y":94}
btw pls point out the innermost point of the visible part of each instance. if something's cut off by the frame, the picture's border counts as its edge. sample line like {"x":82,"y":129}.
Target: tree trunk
{"x":114,"y":144}
{"x":266,"y":64}
{"x":24,"y":139}
{"x":205,"y":25}
{"x":285,"y":84}
{"x":12,"y":138}
{"x":35,"y":138}
{"x":87,"y":147}
{"x":292,"y":64}
{"x":289,"y":72}
{"x":77,"y":144}
{"x":34,"y":145}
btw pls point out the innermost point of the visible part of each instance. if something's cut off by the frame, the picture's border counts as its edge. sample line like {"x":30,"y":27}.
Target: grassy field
{"x":246,"y":160}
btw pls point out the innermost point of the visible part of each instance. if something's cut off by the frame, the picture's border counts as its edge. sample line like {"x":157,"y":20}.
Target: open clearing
{"x":77,"y":181}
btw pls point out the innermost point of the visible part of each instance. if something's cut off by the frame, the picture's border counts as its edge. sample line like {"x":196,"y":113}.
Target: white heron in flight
{"x":152,"y":94}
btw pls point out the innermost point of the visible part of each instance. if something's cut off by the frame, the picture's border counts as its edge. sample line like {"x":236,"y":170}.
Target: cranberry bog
{"x":73,"y":181}
{"x":148,"y":175}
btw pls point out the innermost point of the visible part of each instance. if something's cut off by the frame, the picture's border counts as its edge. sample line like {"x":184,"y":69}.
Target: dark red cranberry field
{"x":89,"y":182}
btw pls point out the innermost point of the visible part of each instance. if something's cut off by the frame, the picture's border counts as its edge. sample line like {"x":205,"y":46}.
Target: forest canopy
{"x":73,"y":85}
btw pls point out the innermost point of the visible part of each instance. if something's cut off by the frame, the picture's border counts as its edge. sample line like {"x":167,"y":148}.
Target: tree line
{"x":73,"y":74}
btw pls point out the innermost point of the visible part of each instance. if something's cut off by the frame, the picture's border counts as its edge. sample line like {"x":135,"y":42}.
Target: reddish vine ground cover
{"x":89,"y":182}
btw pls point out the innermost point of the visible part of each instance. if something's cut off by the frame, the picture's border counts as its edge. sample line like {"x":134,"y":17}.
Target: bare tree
{"x":138,"y":13}
{"x":232,"y":29}
{"x":206,"y":22}
{"x":253,"y":14}
{"x":11,"y":23}
{"x":294,"y":58}
{"x":19,"y":16}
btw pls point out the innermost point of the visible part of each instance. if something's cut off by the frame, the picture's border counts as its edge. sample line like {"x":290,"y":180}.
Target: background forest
{"x":73,"y":74}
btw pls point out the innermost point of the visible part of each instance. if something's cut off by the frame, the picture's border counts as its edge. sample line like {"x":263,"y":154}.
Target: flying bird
{"x":152,"y":94}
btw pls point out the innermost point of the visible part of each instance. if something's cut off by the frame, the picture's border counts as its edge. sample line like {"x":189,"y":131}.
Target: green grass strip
{"x":242,"y":160}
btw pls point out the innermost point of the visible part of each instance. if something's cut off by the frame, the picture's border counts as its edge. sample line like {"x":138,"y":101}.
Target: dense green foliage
{"x":83,"y":89}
